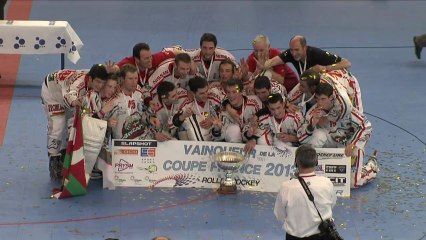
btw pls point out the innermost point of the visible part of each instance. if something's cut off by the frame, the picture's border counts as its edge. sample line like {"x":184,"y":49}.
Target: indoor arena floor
{"x":375,"y":36}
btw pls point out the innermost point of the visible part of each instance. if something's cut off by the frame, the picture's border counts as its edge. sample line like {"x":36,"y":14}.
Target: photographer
{"x":293,"y":207}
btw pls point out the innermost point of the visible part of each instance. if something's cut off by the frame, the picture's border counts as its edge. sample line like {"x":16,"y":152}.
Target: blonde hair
{"x":261,"y":37}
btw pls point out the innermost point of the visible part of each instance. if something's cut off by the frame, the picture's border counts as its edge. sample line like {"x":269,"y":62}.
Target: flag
{"x":74,"y":179}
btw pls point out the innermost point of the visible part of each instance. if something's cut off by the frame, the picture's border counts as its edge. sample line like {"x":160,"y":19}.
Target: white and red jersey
{"x":278,"y":88}
{"x":295,"y":96}
{"x":132,"y":119}
{"x":251,"y":104}
{"x":289,"y":124}
{"x":217,"y":95}
{"x":349,"y":83}
{"x":157,"y":59}
{"x":165,"y":113}
{"x":92,"y":102}
{"x":210,"y":69}
{"x":191,"y":125}
{"x":59,"y":85}
{"x":165,"y":72}
{"x":275,"y":86}
{"x":233,"y":129}
{"x":341,"y":107}
{"x":353,"y":128}
{"x":202,"y":109}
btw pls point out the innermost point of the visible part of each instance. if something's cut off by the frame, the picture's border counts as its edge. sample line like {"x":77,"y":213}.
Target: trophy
{"x":229,"y":162}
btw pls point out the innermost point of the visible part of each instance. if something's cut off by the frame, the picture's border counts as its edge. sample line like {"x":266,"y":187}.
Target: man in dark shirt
{"x":304,"y":57}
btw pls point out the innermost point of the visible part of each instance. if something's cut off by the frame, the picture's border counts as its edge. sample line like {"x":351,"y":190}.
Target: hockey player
{"x":61,"y":92}
{"x":165,"y":104}
{"x":264,"y":87}
{"x":303,"y":96}
{"x":195,"y":117}
{"x":144,"y":61}
{"x":99,"y":105}
{"x":208,"y":57}
{"x":349,"y":83}
{"x":352,"y":132}
{"x":129,"y":118}
{"x":282,"y":126}
{"x":176,"y":71}
{"x":246,"y":107}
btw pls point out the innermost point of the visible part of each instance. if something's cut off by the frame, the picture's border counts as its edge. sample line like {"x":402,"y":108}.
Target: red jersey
{"x":157,"y":59}
{"x":284,"y":70}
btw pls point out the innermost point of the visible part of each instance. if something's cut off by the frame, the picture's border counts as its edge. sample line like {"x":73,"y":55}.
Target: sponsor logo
{"x":119,"y":180}
{"x":147,"y":152}
{"x":126,"y":152}
{"x":55,"y":108}
{"x":330,"y":155}
{"x":282,"y":151}
{"x":161,"y":76}
{"x":239,"y":182}
{"x":123,"y":165}
{"x":151,"y":168}
{"x":137,"y":181}
{"x":181,"y":179}
{"x":136,"y":143}
{"x":338,"y":181}
{"x":335,"y":169}
{"x":319,"y":169}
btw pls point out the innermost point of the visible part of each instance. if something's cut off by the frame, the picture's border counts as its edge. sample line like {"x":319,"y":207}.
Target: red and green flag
{"x":74,"y":179}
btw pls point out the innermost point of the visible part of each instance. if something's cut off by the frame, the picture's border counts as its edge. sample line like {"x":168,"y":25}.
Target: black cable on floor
{"x":396,"y":126}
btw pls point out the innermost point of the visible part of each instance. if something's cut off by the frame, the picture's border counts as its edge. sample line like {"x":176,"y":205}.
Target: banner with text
{"x":140,"y":163}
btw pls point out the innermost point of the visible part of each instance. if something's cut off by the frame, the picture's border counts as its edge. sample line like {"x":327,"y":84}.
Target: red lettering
{"x":131,"y":104}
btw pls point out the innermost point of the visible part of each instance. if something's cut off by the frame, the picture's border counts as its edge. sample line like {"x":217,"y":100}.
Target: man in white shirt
{"x":293,"y":207}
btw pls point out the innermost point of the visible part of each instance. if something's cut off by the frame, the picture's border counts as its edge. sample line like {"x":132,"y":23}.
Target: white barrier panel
{"x":188,"y":164}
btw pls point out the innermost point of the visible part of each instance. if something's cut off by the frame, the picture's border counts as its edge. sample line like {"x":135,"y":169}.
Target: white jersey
{"x":210,"y":69}
{"x":165,"y":113}
{"x":289,"y":124}
{"x":340,"y":108}
{"x":190,"y":128}
{"x":217,"y":95}
{"x":132,"y":119}
{"x":164,"y":72}
{"x":353,"y":128}
{"x":251,"y":104}
{"x":232,"y":131}
{"x":276,"y":88}
{"x":92,"y":102}
{"x":348,"y":82}
{"x":297,"y":97}
{"x":59,"y":85}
